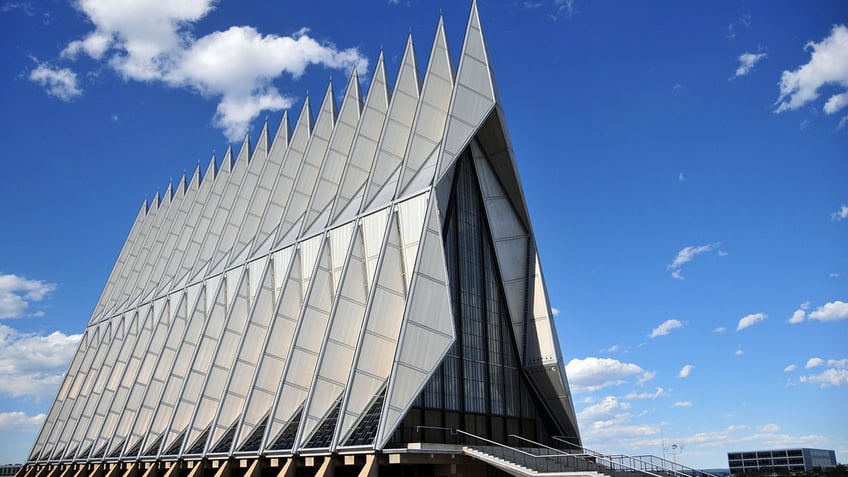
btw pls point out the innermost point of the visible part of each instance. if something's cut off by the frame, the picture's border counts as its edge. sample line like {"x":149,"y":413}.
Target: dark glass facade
{"x":479,"y":387}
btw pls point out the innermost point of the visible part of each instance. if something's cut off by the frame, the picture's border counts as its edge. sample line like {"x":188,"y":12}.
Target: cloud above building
{"x":665,"y":328}
{"x":686,"y":255}
{"x":591,"y":374}
{"x":828,"y":66}
{"x":32,"y":365}
{"x":153,"y":41}
{"x":17,"y":293}
{"x":750,"y":320}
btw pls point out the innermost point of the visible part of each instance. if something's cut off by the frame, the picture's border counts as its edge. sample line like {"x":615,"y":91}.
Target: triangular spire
{"x":244,"y":152}
{"x":262,"y":144}
{"x":227,"y":163}
{"x":398,"y":125}
{"x":333,"y":167}
{"x":181,"y":184}
{"x":422,"y":153}
{"x":169,"y":192}
{"x":305,"y":118}
{"x":194,"y":183}
{"x":475,"y":93}
{"x":283,"y":133}
{"x":364,"y":146}
{"x":211,"y":168}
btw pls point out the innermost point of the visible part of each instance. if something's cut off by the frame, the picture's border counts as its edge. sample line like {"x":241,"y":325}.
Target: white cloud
{"x":686,"y":255}
{"x":682,"y":404}
{"x":750,"y":320}
{"x":685,"y":371}
{"x":555,"y":311}
{"x":833,"y":275}
{"x":739,"y":352}
{"x":838,"y":363}
{"x":94,"y":45}
{"x":720,"y":329}
{"x":660,"y":392}
{"x":799,"y":316}
{"x":146,"y":40}
{"x":833,"y":311}
{"x":827,"y":378}
{"x":591,"y":374}
{"x":828,"y":65}
{"x":31,"y":364}
{"x":665,"y":328}
{"x":842,"y":123}
{"x":60,"y":83}
{"x":790,"y":368}
{"x":770,"y":428}
{"x":842,"y":213}
{"x":16,"y":294}
{"x":649,"y":375}
{"x":747,"y":62}
{"x":814,"y":363}
{"x":604,"y":409}
{"x":18,"y":421}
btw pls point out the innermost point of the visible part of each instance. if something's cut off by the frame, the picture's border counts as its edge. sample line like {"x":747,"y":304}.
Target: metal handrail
{"x":664,"y":467}
{"x":591,"y":454}
{"x":694,"y":472}
{"x":560,"y":459}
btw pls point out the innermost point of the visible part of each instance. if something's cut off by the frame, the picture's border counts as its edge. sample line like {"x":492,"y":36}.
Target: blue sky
{"x":685,"y":166}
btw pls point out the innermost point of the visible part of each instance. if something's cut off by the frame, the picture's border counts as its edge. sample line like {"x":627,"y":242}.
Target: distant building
{"x":8,"y":470}
{"x":793,"y":460}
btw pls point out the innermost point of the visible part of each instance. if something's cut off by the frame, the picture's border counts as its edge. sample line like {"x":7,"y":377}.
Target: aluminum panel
{"x":337,"y":155}
{"x":271,"y":366}
{"x":276,"y":203}
{"x":474,"y":94}
{"x":432,"y":112}
{"x":298,"y":202}
{"x":377,"y":344}
{"x":264,"y":187}
{"x":411,"y":216}
{"x":396,"y":130}
{"x":364,"y":146}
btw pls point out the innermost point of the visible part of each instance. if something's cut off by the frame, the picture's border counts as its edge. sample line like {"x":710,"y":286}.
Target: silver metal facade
{"x":265,"y":307}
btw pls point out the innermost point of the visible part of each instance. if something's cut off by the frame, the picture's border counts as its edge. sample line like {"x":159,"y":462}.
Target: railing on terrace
{"x":536,"y":456}
{"x":645,"y":463}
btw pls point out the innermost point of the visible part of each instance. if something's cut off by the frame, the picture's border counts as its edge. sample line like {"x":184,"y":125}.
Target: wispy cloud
{"x":152,"y":42}
{"x":828,"y":65}
{"x":20,"y":421}
{"x":747,"y":61}
{"x":685,"y":255}
{"x":720,"y":329}
{"x":608,"y":407}
{"x":813,"y":363}
{"x":660,"y":392}
{"x":836,"y":373}
{"x":665,"y":328}
{"x":564,"y":8}
{"x":685,"y":371}
{"x":800,"y":314}
{"x":17,"y":293}
{"x":833,"y":311}
{"x":61,"y":83}
{"x":750,"y":320}
{"x":790,"y":368}
{"x":32,"y":365}
{"x":682,"y":404}
{"x":840,"y":214}
{"x":591,"y":374}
